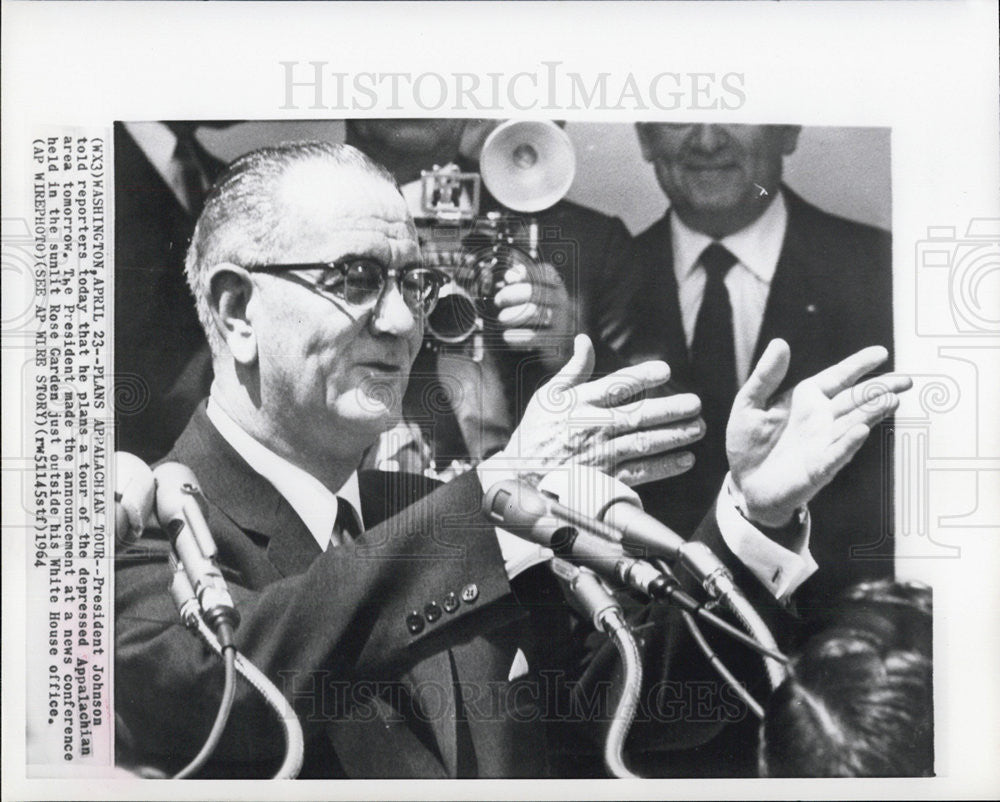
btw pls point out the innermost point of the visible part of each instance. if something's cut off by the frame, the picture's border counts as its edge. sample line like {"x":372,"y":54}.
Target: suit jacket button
{"x":470,"y":593}
{"x":415,"y":623}
{"x":432,"y":612}
{"x":450,"y":602}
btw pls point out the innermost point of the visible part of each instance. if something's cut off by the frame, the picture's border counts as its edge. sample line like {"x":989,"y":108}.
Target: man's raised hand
{"x":782,"y":451}
{"x":606,"y":424}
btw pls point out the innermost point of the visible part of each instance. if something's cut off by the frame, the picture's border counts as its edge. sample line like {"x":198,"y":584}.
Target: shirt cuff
{"x":518,"y":554}
{"x":780,"y":570}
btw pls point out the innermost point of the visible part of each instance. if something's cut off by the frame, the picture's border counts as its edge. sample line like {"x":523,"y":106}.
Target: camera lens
{"x":454,"y":318}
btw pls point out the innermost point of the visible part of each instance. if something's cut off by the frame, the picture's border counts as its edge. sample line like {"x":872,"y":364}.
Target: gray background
{"x":843,"y":170}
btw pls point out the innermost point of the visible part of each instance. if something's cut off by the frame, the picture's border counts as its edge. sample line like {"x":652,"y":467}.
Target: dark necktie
{"x":346,"y":526}
{"x":713,"y":359}
{"x":192,"y":170}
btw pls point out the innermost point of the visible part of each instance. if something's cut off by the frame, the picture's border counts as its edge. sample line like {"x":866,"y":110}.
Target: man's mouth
{"x":382,"y":366}
{"x":711,"y":168}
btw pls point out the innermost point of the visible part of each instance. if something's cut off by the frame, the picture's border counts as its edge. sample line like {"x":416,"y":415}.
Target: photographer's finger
{"x":523,"y":292}
{"x":539,"y":272}
{"x":623,"y":385}
{"x":513,"y":295}
{"x":525,"y":315}
{"x":521,"y":338}
{"x":652,"y":469}
{"x":518,"y":272}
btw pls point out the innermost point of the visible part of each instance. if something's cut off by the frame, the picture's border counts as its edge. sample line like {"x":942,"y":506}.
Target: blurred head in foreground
{"x":859,"y":699}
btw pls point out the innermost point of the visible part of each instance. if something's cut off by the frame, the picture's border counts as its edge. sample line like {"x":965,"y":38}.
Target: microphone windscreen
{"x":587,"y":490}
{"x":134,"y":497}
{"x":176,"y":485}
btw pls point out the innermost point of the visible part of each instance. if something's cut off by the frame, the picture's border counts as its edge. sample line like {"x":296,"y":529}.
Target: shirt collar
{"x":308,"y":497}
{"x":757,"y":246}
{"x":157,"y":142}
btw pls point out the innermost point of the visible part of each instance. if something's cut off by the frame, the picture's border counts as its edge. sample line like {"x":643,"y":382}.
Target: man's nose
{"x":708,"y":137}
{"x":391,"y":315}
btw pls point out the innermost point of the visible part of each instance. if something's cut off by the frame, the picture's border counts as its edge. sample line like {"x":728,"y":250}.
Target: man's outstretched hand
{"x":599,"y":424}
{"x":782,"y":451}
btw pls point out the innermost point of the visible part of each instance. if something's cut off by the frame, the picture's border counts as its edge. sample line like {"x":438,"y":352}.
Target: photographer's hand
{"x":537,"y":313}
{"x":595,"y":423}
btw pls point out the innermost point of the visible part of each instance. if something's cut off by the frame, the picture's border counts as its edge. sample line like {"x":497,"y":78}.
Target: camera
{"x":527,"y":167}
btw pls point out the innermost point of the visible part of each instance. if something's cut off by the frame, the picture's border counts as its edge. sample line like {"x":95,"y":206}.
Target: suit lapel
{"x":794,"y":303}
{"x":245,"y":497}
{"x":383,"y":494}
{"x":662,"y":333}
{"x":252,"y":504}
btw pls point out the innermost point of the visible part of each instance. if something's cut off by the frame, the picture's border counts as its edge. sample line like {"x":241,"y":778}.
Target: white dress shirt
{"x":305,"y":494}
{"x":757,"y":248}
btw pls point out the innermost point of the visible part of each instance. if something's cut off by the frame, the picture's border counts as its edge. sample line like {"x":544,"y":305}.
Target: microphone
{"x":524,"y":511}
{"x":592,"y":493}
{"x":519,"y":508}
{"x":619,"y":509}
{"x":587,"y":593}
{"x":181,"y":509}
{"x":134,"y":491}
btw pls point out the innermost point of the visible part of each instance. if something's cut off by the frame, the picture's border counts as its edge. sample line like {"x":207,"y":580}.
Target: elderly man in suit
{"x":738,"y":260}
{"x":387,"y":607}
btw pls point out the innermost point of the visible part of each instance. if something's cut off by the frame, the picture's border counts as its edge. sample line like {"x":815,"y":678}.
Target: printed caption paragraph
{"x":71,"y":561}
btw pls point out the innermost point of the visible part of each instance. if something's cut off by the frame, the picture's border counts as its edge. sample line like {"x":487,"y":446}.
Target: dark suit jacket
{"x":375,"y":698}
{"x":831,"y":295}
{"x":162,"y":366}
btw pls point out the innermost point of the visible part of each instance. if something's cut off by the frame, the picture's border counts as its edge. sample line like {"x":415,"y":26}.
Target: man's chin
{"x":374,"y":409}
{"x":717,"y":193}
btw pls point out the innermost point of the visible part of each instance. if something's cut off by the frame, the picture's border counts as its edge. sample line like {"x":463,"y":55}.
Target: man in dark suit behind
{"x":789,"y":270}
{"x":162,"y":365}
{"x":400,"y":637}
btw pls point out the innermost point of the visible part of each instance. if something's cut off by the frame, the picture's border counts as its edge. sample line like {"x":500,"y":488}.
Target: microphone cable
{"x":714,"y":660}
{"x":188,"y":606}
{"x":719,"y":666}
{"x":740,"y":607}
{"x":628,"y":701}
{"x":225,"y":707}
{"x":589,"y":596}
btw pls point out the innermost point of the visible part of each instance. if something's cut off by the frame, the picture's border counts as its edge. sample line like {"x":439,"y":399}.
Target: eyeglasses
{"x":360,"y":281}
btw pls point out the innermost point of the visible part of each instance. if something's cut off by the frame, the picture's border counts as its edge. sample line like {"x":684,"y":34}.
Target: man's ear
{"x":790,"y":138}
{"x":644,"y":145}
{"x":231,"y":289}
